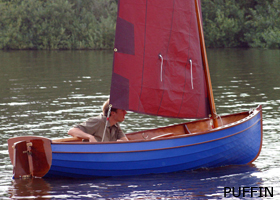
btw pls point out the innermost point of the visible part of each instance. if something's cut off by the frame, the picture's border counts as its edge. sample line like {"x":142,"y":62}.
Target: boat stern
{"x":31,"y":156}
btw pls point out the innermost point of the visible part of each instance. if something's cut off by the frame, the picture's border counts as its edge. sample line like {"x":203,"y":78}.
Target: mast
{"x":206,"y":66}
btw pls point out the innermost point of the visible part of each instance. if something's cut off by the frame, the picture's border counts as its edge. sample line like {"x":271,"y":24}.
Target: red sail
{"x":158,"y":66}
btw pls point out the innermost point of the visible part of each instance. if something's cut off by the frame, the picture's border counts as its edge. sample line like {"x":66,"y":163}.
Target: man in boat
{"x":93,"y":128}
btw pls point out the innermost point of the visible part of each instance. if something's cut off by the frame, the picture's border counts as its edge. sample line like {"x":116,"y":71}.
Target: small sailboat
{"x":160,"y":68}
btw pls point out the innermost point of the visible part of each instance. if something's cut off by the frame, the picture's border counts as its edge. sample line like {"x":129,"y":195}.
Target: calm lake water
{"x":47,"y":92}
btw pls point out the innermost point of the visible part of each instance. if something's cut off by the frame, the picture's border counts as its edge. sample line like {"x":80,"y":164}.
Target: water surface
{"x":47,"y":92}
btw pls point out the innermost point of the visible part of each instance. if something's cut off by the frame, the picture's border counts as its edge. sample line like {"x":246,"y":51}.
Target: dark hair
{"x":105,"y":108}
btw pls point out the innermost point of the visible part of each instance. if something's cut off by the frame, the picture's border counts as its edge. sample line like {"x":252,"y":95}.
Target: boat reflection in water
{"x":203,"y":184}
{"x":31,"y":188}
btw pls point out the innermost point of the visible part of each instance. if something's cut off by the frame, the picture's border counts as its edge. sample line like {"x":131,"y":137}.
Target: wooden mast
{"x":206,"y":66}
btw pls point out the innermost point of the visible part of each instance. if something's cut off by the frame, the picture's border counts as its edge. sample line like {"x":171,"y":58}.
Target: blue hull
{"x":234,"y":144}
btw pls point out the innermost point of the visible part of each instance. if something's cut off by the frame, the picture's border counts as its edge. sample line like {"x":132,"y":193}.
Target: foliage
{"x":57,"y":24}
{"x":239,"y":23}
{"x":90,"y":24}
{"x":223,"y":21}
{"x":264,"y":25}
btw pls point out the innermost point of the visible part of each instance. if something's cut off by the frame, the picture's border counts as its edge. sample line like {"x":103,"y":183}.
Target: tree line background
{"x":90,"y":24}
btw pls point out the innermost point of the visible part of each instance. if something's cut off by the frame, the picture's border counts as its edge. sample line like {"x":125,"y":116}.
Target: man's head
{"x":105,"y":108}
{"x":117,"y":115}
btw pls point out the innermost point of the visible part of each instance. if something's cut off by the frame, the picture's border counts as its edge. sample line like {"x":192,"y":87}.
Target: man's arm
{"x":76,"y":132}
{"x":123,"y":139}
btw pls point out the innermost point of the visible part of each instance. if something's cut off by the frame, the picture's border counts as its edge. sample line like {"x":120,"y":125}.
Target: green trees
{"x":90,"y":24}
{"x":57,"y":24}
{"x":223,"y":22}
{"x":242,"y":23}
{"x":264,"y":25}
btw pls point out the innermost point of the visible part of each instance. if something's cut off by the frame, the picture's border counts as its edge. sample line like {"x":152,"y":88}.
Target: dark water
{"x":47,"y":92}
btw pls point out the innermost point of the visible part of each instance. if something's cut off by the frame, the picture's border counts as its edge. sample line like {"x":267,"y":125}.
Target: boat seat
{"x":163,"y":135}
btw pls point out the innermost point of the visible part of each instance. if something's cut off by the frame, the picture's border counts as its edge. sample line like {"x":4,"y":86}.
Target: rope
{"x":212,"y":120}
{"x":221,"y":120}
{"x":160,"y":56}
{"x":191,"y":74}
{"x":107,"y":120}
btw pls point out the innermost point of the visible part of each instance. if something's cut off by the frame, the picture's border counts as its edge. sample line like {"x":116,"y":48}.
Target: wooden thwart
{"x":163,"y":135}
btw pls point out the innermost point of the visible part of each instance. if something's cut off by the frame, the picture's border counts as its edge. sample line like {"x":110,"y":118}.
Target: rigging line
{"x":191,"y":74}
{"x":221,"y":120}
{"x":161,"y":66}
{"x":143,"y":54}
{"x":107,"y":120}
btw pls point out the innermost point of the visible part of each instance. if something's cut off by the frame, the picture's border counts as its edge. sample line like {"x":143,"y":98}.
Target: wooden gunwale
{"x":177,"y":136}
{"x":165,"y":139}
